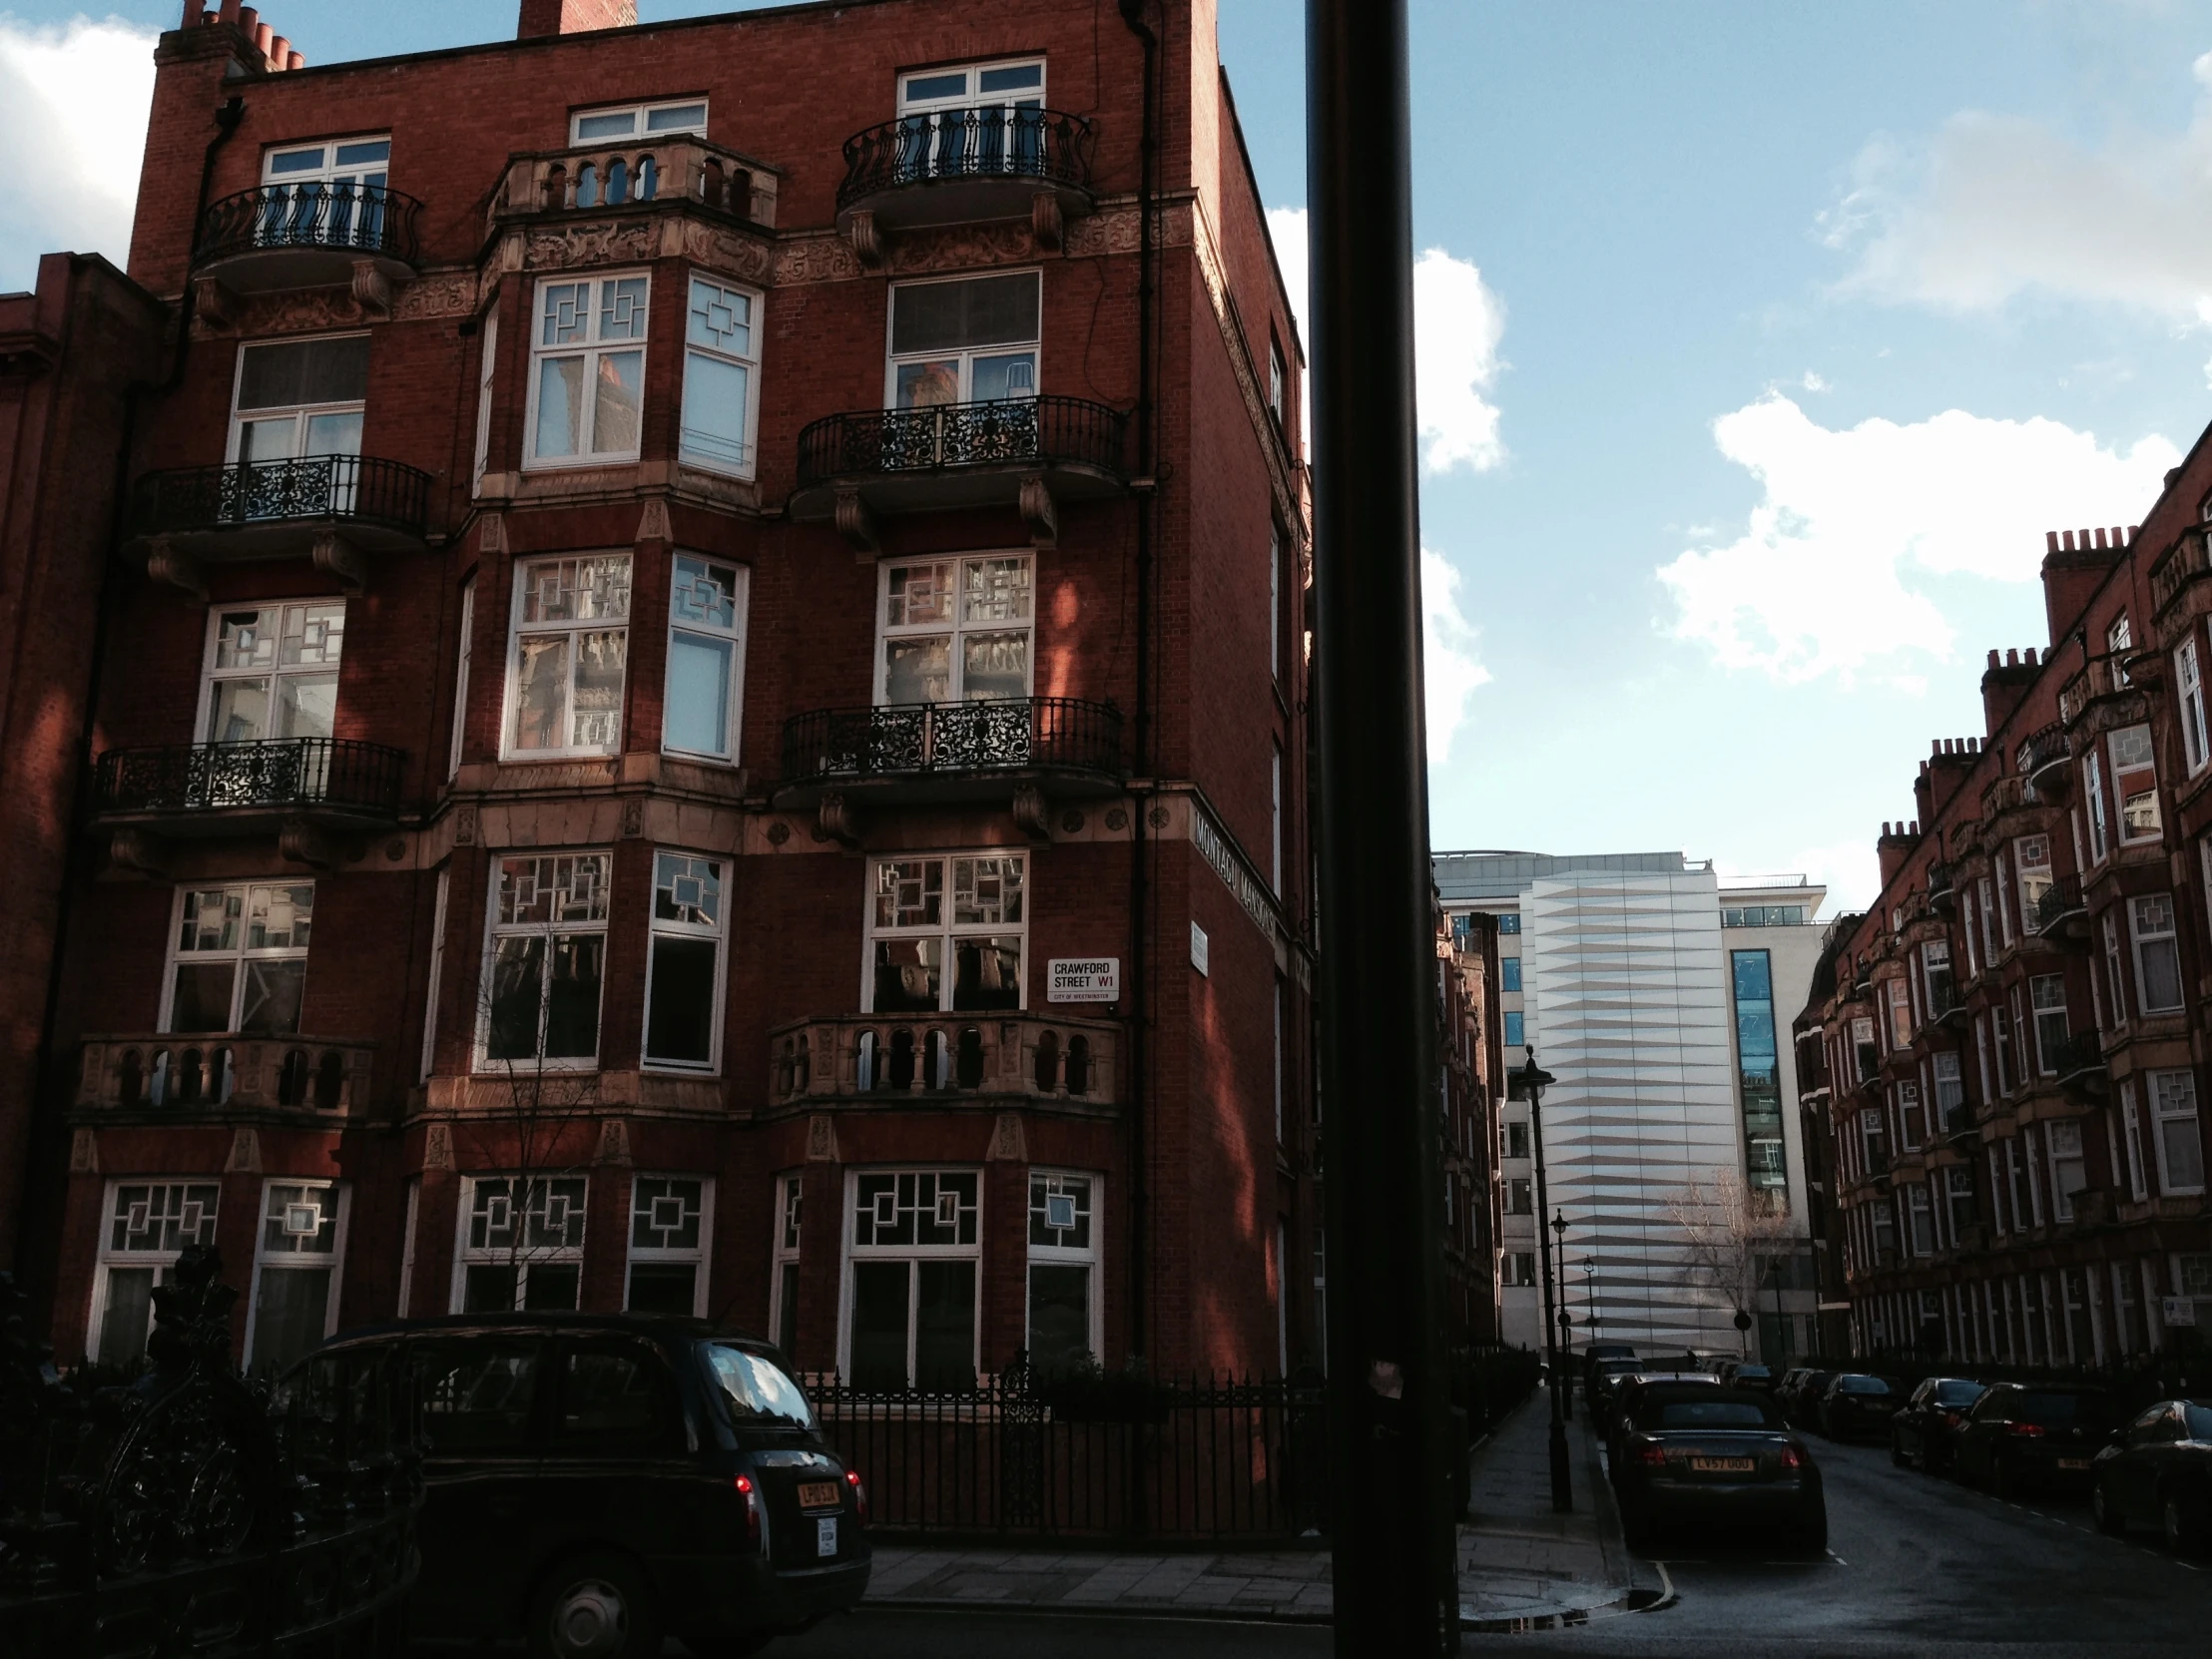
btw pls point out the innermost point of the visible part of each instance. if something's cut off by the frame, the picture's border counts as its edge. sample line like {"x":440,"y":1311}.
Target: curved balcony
{"x":327,"y":507}
{"x":1942,"y":889}
{"x":1030,"y":453}
{"x":909,"y":1059}
{"x":225,"y":789}
{"x":954,"y":167}
{"x":2080,"y":1065}
{"x":306,"y":236}
{"x":2045,"y":760}
{"x":2060,"y":913}
{"x":174,"y":1074}
{"x":673,"y":171}
{"x":924,"y":751}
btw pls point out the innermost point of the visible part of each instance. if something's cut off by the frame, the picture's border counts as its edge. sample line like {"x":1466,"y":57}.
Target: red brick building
{"x":701,"y":697}
{"x":2007,"y":1056}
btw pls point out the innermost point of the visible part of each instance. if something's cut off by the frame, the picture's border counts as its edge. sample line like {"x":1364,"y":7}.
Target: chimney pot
{"x":279,"y":52}
{"x":2100,"y":538}
{"x":2051,"y":541}
{"x":2070,"y":541}
{"x":297,"y":60}
{"x":227,"y":12}
{"x":2011,"y":658}
{"x":249,"y":19}
{"x":2030,"y":658}
{"x":2118,"y":540}
{"x":1993,"y":656}
{"x":263,"y":38}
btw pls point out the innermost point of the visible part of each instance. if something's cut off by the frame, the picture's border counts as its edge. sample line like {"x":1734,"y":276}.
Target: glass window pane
{"x":990,"y":974}
{"x":994,"y":665}
{"x":663,"y":1287}
{"x":880,"y":1325}
{"x":126,"y":1316}
{"x":927,"y":386}
{"x":944,"y":1324}
{"x":1010,"y":79}
{"x":615,"y":409}
{"x":268,"y":440}
{"x":917,"y":594}
{"x":273,"y":994}
{"x":542,"y":692}
{"x":489,"y":1288}
{"x":477,"y":1396}
{"x":720,"y":319}
{"x":599,"y":660}
{"x":307,"y":706}
{"x":333,"y":434}
{"x":704,"y":595}
{"x":290,"y":373}
{"x":677,"y":118}
{"x":611,"y":1402}
{"x":560,"y":405}
{"x":918,"y":670}
{"x":697,"y":715}
{"x":983,"y":310}
{"x":919,"y":87}
{"x":1059,"y":1314}
{"x":907,"y":975}
{"x":620,"y":125}
{"x":564,"y":313}
{"x":715,"y":395}
{"x":1006,"y":374}
{"x":291,"y":1314}
{"x":373,"y":149}
{"x":571,"y":1005}
{"x":550,"y":1287}
{"x":682,"y":998}
{"x":297,"y":161}
{"x":517,"y":985}
{"x":202,"y":997}
{"x":622,"y":309}
{"x":237,"y":711}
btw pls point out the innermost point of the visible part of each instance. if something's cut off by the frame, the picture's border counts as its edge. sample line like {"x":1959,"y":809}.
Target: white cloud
{"x":1995,"y":206}
{"x":73,"y":106}
{"x":1458,"y":323}
{"x":1448,"y":654}
{"x":1820,"y":581}
{"x":1813,"y":382}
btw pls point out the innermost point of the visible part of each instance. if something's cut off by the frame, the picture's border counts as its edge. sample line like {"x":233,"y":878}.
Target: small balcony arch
{"x":1048,"y":1062}
{"x":329,"y":1081}
{"x":971,"y":1067}
{"x":900,"y":1073}
{"x":865,"y":1062}
{"x":1079,"y":1066}
{"x":130,"y":1078}
{"x":292,"y":1078}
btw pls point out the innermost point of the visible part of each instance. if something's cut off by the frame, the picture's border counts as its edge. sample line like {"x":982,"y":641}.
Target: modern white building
{"x":1649,"y":993}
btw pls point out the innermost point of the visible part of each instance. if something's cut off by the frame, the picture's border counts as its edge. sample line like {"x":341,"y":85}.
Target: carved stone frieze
{"x":573,"y":244}
{"x":451,"y":294}
{"x":1040,"y":512}
{"x":369,"y":296}
{"x":722,"y":250}
{"x":822,"y":258}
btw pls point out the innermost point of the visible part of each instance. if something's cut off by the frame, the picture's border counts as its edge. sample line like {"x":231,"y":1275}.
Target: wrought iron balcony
{"x":300,"y":235}
{"x":954,"y":750}
{"x":210,"y":788}
{"x":2080,"y":1065}
{"x":223,"y":1072}
{"x":1942,"y":889}
{"x":887,"y":1059}
{"x":1943,"y":1001}
{"x":2044,"y":760}
{"x":952,"y":166}
{"x":2059,"y":910}
{"x":1023,"y":452}
{"x":283,"y":509}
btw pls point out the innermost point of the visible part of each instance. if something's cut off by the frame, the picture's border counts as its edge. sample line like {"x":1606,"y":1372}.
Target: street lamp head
{"x":1559,"y":1224}
{"x":1531,"y":1078}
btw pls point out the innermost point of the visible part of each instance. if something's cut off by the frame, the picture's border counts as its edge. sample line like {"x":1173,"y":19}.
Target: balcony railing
{"x":2059,"y":904}
{"x":1016,"y":431}
{"x":358,"y":781}
{"x":346,"y":219}
{"x":258,"y":508}
{"x":1941,"y":885}
{"x":2042,"y":759}
{"x":2079,"y":1058}
{"x":2181,"y":564}
{"x":1943,"y":999}
{"x":994,"y":143}
{"x":2098,"y":678}
{"x":923,"y":740}
{"x":678,"y":169}
{"x":890,"y":1057}
{"x":227,"y":1069}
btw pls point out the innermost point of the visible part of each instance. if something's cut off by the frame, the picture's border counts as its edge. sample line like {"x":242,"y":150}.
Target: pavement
{"x":1521,"y":1566}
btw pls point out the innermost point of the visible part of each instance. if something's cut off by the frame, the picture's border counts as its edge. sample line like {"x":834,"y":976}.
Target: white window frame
{"x":965,"y":355}
{"x":238,"y":955}
{"x":439,"y":917}
{"x":2046,"y":1004}
{"x":1947,"y":1091}
{"x":2092,"y":789}
{"x":553,"y":931}
{"x":279,"y":1259}
{"x":576,"y":1204}
{"x":1091,"y":1256}
{"x":642,"y":127}
{"x":956,"y":628}
{"x":697,"y":1257}
{"x":613,"y":577}
{"x":196,"y":1199}
{"x":974,"y":96}
{"x":671,"y":867}
{"x":2110,"y":923}
{"x":1908,"y":1110}
{"x":701,"y":623}
{"x":2141,"y":771}
{"x":1897,"y":1006}
{"x":2140,"y":940}
{"x":590,"y":348}
{"x":851,"y":1254}
{"x":784,"y":1257}
{"x":705,"y":343}
{"x":945,"y":930}
{"x":1920,"y":1219}
{"x":407,"y":1244}
{"x":2001,"y":1039}
{"x":2178,"y":1112}
{"x":1988,"y":938}
{"x":464,"y":649}
{"x":363,"y":171}
{"x":2131,"y":1123}
{"x":2196,"y":740}
{"x":487,"y":371}
{"x":2032,"y":868}
{"x":302,"y":415}
{"x":2067,"y":1147}
{"x":1275,"y":817}
{"x":276,"y":672}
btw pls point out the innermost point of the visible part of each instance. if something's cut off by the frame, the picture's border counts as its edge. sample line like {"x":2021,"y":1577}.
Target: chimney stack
{"x":574,"y":17}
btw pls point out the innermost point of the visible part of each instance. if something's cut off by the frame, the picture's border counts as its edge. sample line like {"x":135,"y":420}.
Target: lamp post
{"x":1533,"y":1080}
{"x":1565,"y":1320}
{"x":1589,"y":1296}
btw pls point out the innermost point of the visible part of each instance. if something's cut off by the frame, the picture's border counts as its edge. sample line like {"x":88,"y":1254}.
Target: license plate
{"x":825,"y":1535}
{"x":819,"y":1495}
{"x":2073,"y":1462}
{"x":1723,"y":1465}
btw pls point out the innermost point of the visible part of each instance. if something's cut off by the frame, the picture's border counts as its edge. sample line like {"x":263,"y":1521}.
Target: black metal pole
{"x":1392,"y":1485}
{"x":1562,"y":1491}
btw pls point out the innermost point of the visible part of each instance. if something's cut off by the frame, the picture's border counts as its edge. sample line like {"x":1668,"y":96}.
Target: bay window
{"x":462,"y":652}
{"x":1912,"y":1128}
{"x":1935,"y":976}
{"x":545,"y":959}
{"x":487,"y":369}
{"x":2196,"y":744}
{"x":147,"y":1225}
{"x":720,"y":359}
{"x":969,"y":340}
{"x":2134,"y":784}
{"x":784,"y":1288}
{"x":271,"y":673}
{"x":587,"y":371}
{"x":705,"y":658}
{"x":915,"y":925}
{"x":2174,"y":1105}
{"x":683,"y":980}
{"x":2048,"y":994}
{"x":1921,"y":1218}
{"x":955,"y":630}
{"x":238,"y":958}
{"x":1950,"y":1094}
{"x":569,"y":644}
{"x":671,"y":1233}
{"x":521,"y":1244}
{"x":2092,"y":795}
{"x":911,"y":1264}
{"x":2000,"y":1031}
{"x":1064,"y":1313}
{"x":638,"y":121}
{"x":2138,"y":1183}
{"x":2032,"y":859}
{"x":296,"y":398}
{"x":2157,"y":953}
{"x":297,"y":1258}
{"x":1901,"y":1015}
{"x":2070,"y":1170}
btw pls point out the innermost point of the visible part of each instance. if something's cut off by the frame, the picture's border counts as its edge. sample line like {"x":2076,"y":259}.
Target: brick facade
{"x":1202,"y":1218}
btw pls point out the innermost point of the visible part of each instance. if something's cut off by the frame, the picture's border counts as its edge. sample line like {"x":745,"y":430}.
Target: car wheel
{"x":1896,"y":1450}
{"x":2105,"y":1512}
{"x":2181,"y":1524}
{"x":594,"y":1608}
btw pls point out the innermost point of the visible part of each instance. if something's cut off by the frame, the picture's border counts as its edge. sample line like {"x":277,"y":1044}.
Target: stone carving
{"x":820,"y":258}
{"x":1116,"y":819}
{"x":437,"y":1147}
{"x":1040,"y":512}
{"x":1032,"y":813}
{"x":622,"y":243}
{"x":371,"y":288}
{"x":303,"y":843}
{"x":958,"y":245}
{"x":84,"y":1153}
{"x":179,"y":570}
{"x":821,"y":1139}
{"x":614,"y":1141}
{"x":1158,"y":817}
{"x":868,"y":245}
{"x":632,"y":818}
{"x":856,"y":524}
{"x":453,"y":293}
{"x":725,"y":252}
{"x":465,"y":827}
{"x":1116,"y":230}
{"x":838,"y":821}
{"x":779,"y":833}
{"x":214,"y":303}
{"x":492,"y":536}
{"x":246,"y":1152}
{"x":334,"y":555}
{"x":1009,"y":1142}
{"x":140,"y":851}
{"x":1045,"y":227}
{"x":1071,"y":821}
{"x":653,"y":521}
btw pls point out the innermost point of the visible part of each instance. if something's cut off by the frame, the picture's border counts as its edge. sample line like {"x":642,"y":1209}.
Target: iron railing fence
{"x":1037,"y":430}
{"x":277,"y":771}
{"x":2056,"y":902}
{"x":912,"y":740}
{"x":1088,"y":1455}
{"x":344,"y":218}
{"x":347,"y":488}
{"x":991,"y":141}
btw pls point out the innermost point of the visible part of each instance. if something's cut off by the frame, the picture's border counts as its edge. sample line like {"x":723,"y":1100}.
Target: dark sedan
{"x":2158,"y":1472}
{"x":1925,"y":1428}
{"x":1631,"y":1391}
{"x":1602,"y":1383}
{"x":1856,"y":1404}
{"x":1721,"y":1455}
{"x":1800,"y":1396}
{"x":2023,"y":1435}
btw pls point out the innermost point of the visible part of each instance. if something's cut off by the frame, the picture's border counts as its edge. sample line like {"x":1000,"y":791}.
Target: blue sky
{"x":1760,"y":345}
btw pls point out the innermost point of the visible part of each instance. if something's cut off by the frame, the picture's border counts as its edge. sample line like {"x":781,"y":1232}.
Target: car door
{"x":616,"y":1464}
{"x":480,"y":1401}
{"x":1910,"y":1423}
{"x":2132,"y":1476}
{"x":1978,"y":1438}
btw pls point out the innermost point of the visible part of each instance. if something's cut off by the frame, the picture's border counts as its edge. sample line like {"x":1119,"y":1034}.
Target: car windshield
{"x":2049,"y":1406}
{"x":2199,"y":1420}
{"x":754,"y":1388}
{"x":1743,"y":1372}
{"x":1860,"y":1386}
{"x":1958,"y":1393}
{"x":1715,"y":1414}
{"x":1616,"y":1368}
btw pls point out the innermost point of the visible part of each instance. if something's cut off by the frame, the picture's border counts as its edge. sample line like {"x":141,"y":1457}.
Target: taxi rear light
{"x":751,"y":1492}
{"x":860,"y":1494}
{"x":1652,"y":1457}
{"x":2026,"y":1431}
{"x":1791,"y":1459}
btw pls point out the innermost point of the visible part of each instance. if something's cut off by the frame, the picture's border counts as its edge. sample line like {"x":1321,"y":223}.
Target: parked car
{"x":1800,"y":1396}
{"x":1926,"y":1427}
{"x":593,"y":1483}
{"x":1746,"y":1374}
{"x":1713,"y":1454}
{"x":1594,"y":1355}
{"x":2023,"y":1435}
{"x":1633,"y":1387}
{"x":1604,"y":1385}
{"x":2158,"y":1471}
{"x":1856,"y":1402}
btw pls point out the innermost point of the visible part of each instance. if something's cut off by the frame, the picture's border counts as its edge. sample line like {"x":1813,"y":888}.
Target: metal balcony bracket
{"x":1040,"y":512}
{"x":857,"y":525}
{"x":334,"y":556}
{"x":214,"y":301}
{"x":869,"y":245}
{"x":301,"y":843}
{"x":1045,"y":222}
{"x":373,"y":290}
{"x":1033,"y":812}
{"x":140,"y":851}
{"x":839,"y":821}
{"x":179,"y":570}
